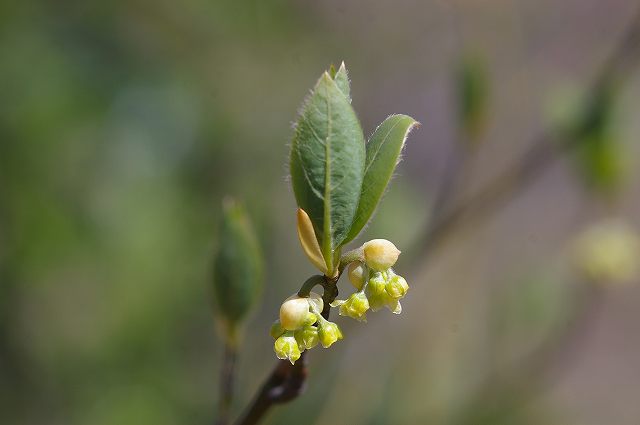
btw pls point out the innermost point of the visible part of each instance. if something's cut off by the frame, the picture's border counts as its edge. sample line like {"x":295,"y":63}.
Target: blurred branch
{"x":520,"y":382}
{"x":540,"y":155}
{"x":227,"y":378}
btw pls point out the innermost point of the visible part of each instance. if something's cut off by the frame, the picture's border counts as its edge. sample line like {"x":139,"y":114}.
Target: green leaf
{"x":599,"y":154}
{"x":238,"y":268}
{"x":473,"y":93}
{"x":383,"y":154}
{"x":327,"y":164}
{"x":342,"y":81}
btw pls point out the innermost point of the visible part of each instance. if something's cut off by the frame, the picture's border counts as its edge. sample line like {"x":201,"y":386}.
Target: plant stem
{"x":227,"y":378}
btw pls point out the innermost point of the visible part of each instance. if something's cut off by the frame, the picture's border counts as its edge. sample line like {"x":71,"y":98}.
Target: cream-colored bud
{"x":357,"y":274}
{"x":294,"y":313}
{"x":380,"y":254}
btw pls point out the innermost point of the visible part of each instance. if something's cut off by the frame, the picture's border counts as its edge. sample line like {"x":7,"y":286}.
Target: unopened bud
{"x":357,"y":274}
{"x":375,"y":291}
{"x":396,"y":287}
{"x":307,"y":337}
{"x":295,"y":311}
{"x":380,"y":254}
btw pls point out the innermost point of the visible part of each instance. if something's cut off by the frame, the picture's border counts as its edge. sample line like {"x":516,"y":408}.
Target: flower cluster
{"x":301,"y":327}
{"x":376,"y":283}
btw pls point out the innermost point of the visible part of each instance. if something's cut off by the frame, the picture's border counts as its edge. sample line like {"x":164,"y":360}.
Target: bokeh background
{"x":123,"y":125}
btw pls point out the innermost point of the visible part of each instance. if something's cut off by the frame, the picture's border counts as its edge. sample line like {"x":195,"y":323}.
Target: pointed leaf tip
{"x":382,"y":157}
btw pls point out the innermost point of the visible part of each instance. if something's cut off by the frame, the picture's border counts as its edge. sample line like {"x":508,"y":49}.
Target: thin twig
{"x":542,"y":151}
{"x":227,"y":378}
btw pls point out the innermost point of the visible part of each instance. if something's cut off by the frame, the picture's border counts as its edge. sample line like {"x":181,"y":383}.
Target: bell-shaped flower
{"x":396,"y":286}
{"x":355,"y":306}
{"x":286,"y":347}
{"x":307,"y":337}
{"x":328,"y":333}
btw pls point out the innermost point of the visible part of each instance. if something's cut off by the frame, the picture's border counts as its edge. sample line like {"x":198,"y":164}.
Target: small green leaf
{"x":383,"y":154}
{"x":327,"y":164}
{"x":342,"y":81}
{"x":238,"y":268}
{"x":599,"y":155}
{"x":473,"y":93}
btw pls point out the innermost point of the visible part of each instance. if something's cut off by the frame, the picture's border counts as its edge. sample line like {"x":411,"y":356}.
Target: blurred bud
{"x":307,"y":337}
{"x":586,"y":119}
{"x":396,"y":287}
{"x":357,"y":274}
{"x":328,"y":333}
{"x":608,"y":252}
{"x":276,"y":330}
{"x":473,"y":93}
{"x":237,"y":273}
{"x":355,"y":306}
{"x":286,"y":347}
{"x":380,"y":254}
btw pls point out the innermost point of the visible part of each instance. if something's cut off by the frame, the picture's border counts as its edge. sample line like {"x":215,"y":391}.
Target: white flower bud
{"x":380,"y":254}
{"x":296,"y":312}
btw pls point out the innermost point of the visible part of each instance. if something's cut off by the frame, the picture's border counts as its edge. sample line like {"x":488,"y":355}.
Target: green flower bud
{"x":276,"y":330}
{"x":237,"y":272}
{"x":328,"y":333}
{"x":396,"y":287}
{"x":380,"y":254}
{"x":379,"y":295}
{"x":307,"y":337}
{"x":357,"y":274}
{"x":355,"y":306}
{"x":286,"y":347}
{"x":375,"y":292}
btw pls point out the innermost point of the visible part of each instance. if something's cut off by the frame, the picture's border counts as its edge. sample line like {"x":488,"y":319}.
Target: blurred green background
{"x":123,"y":125}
